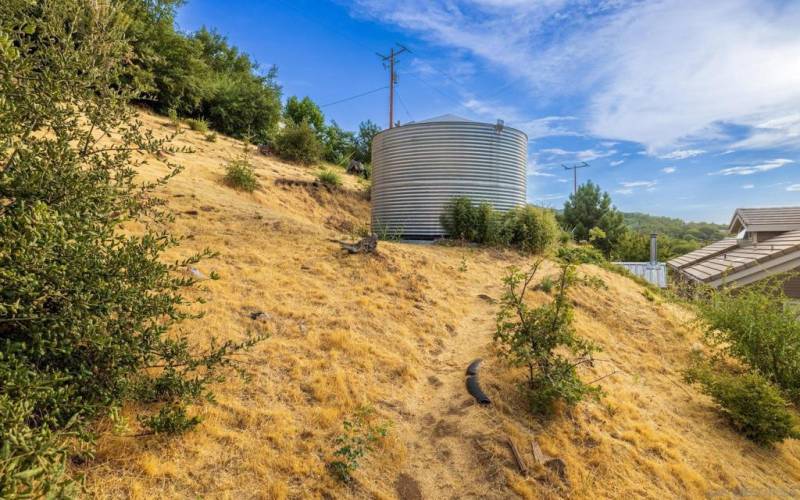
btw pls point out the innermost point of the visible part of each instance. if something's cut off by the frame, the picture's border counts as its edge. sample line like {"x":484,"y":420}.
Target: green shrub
{"x":87,"y":312}
{"x":329,"y":178}
{"x":197,"y":124}
{"x":174,"y":120}
{"x":757,"y":326}
{"x":359,"y":438}
{"x":299,"y":143}
{"x":537,"y":339}
{"x":546,"y":285}
{"x":580,"y":254}
{"x":529,"y":228}
{"x":459,"y":219}
{"x":211,"y":137}
{"x":240,"y":175}
{"x":752,"y":405}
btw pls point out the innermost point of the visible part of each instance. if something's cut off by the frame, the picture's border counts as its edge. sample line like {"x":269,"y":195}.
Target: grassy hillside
{"x":396,"y":331}
{"x":675,"y":228}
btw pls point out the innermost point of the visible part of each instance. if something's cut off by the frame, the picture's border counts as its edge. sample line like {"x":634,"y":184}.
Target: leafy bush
{"x":338,"y":145}
{"x":298,"y":142}
{"x":304,"y":111}
{"x":329,"y":178}
{"x":752,"y":404}
{"x":239,"y":175}
{"x":211,"y":137}
{"x":529,"y":228}
{"x":197,"y":124}
{"x":463,"y":220}
{"x":86,"y":311}
{"x":580,"y":254}
{"x":363,"y":146}
{"x":174,"y":120}
{"x":758,"y":326}
{"x":537,"y":338}
{"x":359,"y":437}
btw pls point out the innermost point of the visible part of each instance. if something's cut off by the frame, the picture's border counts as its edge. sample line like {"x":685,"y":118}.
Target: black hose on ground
{"x":472,"y":369}
{"x":473,"y":387}
{"x":476,"y":391}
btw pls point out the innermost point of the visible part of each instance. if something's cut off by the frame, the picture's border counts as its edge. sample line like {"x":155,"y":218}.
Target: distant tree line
{"x":202,"y":76}
{"x":590,"y":216}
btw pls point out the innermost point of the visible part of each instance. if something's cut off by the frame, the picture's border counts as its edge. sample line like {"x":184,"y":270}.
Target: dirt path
{"x":445,"y":457}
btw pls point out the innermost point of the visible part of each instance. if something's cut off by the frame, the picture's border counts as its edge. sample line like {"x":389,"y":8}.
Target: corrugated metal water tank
{"x":417,"y":168}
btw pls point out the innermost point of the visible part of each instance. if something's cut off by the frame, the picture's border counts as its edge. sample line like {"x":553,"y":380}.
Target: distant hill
{"x":675,"y":228}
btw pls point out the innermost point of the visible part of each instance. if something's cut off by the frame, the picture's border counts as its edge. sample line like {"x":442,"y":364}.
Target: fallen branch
{"x":520,"y":464}
{"x":365,"y":245}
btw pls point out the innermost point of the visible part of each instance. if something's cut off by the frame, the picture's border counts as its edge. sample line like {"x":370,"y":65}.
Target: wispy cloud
{"x":748,"y":186}
{"x":669,"y":170}
{"x":783,"y":131}
{"x":657,"y":73}
{"x":793,"y":187}
{"x":535,"y":128}
{"x":754,"y":169}
{"x":629,"y":187}
{"x":616,"y":163}
{"x":638,"y":184}
{"x":682,"y":154}
{"x":582,"y":155}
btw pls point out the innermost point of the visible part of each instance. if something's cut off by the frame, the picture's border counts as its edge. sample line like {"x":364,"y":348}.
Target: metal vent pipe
{"x":654,"y":248}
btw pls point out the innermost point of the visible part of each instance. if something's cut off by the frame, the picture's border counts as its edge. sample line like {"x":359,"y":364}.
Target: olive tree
{"x":88,"y":304}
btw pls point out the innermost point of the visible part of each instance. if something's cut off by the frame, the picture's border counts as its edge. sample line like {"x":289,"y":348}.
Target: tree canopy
{"x":590,"y":208}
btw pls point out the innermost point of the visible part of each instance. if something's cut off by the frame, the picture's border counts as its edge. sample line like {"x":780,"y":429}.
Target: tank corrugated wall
{"x":418,"y":168}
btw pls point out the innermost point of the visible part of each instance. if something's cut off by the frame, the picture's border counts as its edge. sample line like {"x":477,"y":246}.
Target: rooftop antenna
{"x":392,"y":77}
{"x":574,"y":169}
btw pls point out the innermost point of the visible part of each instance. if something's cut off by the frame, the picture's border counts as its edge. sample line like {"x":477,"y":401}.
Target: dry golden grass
{"x":396,"y":331}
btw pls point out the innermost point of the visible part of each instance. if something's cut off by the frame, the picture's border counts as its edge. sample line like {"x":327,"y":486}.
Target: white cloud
{"x":793,"y":187}
{"x":547,"y":126}
{"x":682,"y":154}
{"x":777,"y":132}
{"x":658,"y":73}
{"x":669,"y":170}
{"x":583,"y":155}
{"x":629,"y":187}
{"x":616,"y":163}
{"x":754,"y":169}
{"x":748,"y":186}
{"x":637,"y":184}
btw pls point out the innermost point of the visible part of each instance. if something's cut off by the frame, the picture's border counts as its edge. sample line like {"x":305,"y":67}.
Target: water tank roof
{"x":446,"y":118}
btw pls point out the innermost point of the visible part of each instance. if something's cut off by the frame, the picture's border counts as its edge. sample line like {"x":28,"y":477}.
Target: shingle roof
{"x":763,"y":254}
{"x":706,"y":252}
{"x":765,"y":219}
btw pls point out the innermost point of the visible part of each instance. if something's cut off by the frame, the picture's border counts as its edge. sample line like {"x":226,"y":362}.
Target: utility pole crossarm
{"x":574,"y":169}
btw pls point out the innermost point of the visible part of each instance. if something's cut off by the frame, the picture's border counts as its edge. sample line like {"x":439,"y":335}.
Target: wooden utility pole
{"x":574,"y":169}
{"x":392,"y":78}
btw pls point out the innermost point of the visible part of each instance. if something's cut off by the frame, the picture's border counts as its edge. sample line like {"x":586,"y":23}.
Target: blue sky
{"x":682,"y":108}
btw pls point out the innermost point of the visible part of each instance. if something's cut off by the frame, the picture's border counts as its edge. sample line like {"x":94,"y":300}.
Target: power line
{"x":355,"y":96}
{"x":408,"y":113}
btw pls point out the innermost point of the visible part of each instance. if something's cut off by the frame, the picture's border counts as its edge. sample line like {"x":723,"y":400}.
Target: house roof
{"x":706,"y":252}
{"x":742,"y":265}
{"x":765,"y":219}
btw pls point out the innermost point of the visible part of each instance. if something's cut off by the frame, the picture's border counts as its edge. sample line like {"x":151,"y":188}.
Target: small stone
{"x":194,"y":272}
{"x":260,"y":316}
